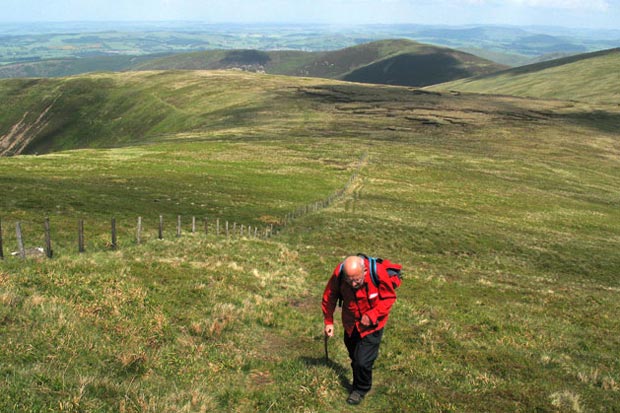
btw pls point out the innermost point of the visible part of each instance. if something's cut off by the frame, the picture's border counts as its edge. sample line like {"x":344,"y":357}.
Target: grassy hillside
{"x":104,"y":110}
{"x":591,"y":77}
{"x":503,"y":211}
{"x":398,"y":62}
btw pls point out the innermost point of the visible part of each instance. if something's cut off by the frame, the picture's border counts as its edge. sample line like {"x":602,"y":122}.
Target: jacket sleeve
{"x":387,"y":297}
{"x":330,"y":297}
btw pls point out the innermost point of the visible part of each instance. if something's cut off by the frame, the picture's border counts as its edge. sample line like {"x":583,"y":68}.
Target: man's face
{"x":355,"y":280}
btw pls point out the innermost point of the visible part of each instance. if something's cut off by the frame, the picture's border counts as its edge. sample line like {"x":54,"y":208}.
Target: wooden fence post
{"x":81,"y":235}
{"x":139,"y":231}
{"x":217,"y":227}
{"x":226,"y":229}
{"x":113,"y":246}
{"x":20,"y":241}
{"x":161,"y":227}
{"x":178,"y":226}
{"x":1,"y":247}
{"x":193,"y":225}
{"x":48,"y":239}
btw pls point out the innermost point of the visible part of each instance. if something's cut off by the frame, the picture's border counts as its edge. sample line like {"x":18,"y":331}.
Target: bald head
{"x":353,"y":268}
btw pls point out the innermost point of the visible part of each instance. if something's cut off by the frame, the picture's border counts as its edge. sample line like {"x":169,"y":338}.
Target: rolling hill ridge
{"x":107,"y":110}
{"x":394,"y":62}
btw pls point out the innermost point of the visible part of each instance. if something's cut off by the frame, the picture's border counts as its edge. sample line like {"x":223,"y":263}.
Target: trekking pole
{"x":325,"y":338}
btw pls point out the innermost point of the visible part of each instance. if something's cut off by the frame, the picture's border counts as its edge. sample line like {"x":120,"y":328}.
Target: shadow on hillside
{"x":412,"y":70}
{"x":341,"y":372}
{"x":603,"y":121}
{"x":360,"y":93}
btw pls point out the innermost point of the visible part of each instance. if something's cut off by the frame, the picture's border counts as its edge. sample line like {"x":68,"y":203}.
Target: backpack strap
{"x":372,"y":267}
{"x":340,"y":284}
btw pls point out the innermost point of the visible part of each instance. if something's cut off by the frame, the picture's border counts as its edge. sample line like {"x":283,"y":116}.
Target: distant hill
{"x":542,"y":43}
{"x":392,"y":62}
{"x":592,"y":77}
{"x":426,"y":65}
{"x":71,"y":66}
{"x":276,"y":62}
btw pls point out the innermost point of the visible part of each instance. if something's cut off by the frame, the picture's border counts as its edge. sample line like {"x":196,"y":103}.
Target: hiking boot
{"x":355,"y":397}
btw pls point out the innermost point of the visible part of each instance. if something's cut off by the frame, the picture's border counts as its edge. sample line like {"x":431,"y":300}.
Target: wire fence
{"x":94,"y":237}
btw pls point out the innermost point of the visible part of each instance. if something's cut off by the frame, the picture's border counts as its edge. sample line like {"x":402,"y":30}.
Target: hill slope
{"x":106,"y":110}
{"x":590,"y":77}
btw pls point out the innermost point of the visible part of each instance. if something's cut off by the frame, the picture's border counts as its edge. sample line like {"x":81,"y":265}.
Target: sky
{"x":603,"y":14}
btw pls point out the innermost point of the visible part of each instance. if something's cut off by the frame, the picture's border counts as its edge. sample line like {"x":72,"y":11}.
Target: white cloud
{"x":601,"y":5}
{"x":597,"y":5}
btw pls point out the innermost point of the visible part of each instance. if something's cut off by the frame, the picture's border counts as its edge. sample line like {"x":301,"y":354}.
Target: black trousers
{"x":363,"y":352}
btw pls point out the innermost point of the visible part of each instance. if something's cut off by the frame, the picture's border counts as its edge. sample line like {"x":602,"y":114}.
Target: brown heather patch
{"x":269,"y":219}
{"x":608,"y":383}
{"x":261,"y":379}
{"x":157,"y":323}
{"x":174,"y":262}
{"x":199,"y":264}
{"x":566,"y":401}
{"x":196,"y":328}
{"x":35,"y":300}
{"x":187,"y":341}
{"x":9,"y":298}
{"x":306,"y":305}
{"x":272,"y":347}
{"x":133,"y":361}
{"x":287,"y":256}
{"x":93,"y":310}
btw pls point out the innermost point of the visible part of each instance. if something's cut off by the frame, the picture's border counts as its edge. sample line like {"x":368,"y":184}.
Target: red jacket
{"x":375,"y":302}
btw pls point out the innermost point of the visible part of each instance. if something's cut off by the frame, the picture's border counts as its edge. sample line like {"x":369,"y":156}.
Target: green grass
{"x":502,"y":210}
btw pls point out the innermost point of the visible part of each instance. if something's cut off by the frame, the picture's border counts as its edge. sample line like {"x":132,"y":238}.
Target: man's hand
{"x":365,"y":321}
{"x":329,"y":330}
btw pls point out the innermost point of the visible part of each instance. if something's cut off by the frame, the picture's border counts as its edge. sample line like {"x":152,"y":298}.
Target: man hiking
{"x":366,"y":304}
